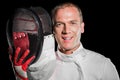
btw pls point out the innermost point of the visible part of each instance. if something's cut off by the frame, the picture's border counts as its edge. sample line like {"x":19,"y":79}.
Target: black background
{"x":101,"y":28}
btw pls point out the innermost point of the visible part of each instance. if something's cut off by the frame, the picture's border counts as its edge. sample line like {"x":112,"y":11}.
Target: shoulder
{"x":95,"y":57}
{"x":97,"y":61}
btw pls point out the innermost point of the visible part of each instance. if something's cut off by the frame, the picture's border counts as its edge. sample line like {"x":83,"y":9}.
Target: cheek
{"x":77,"y":33}
{"x":57,"y":32}
{"x":76,"y":30}
{"x":57,"y":36}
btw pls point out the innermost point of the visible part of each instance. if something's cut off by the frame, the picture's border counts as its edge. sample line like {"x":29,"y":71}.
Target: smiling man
{"x":71,"y":61}
{"x":74,"y":62}
{"x":68,"y":28}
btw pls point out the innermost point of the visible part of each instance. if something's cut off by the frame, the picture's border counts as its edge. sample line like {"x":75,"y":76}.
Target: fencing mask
{"x":26,"y":29}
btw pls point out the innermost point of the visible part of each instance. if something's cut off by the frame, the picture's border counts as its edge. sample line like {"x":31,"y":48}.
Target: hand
{"x":20,"y":67}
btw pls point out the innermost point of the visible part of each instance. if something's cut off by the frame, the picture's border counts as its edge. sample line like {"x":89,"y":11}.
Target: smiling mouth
{"x":66,"y":39}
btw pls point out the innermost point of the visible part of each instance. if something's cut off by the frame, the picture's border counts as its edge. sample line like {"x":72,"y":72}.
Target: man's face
{"x":68,"y":28}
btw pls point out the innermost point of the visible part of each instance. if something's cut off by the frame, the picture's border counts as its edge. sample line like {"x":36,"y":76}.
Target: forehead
{"x":67,"y":13}
{"x":66,"y":9}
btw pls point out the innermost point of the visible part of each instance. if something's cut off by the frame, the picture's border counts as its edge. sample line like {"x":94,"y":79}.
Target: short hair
{"x":64,"y":5}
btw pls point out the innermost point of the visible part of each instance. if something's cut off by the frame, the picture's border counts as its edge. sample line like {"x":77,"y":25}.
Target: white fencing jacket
{"x":82,"y":64}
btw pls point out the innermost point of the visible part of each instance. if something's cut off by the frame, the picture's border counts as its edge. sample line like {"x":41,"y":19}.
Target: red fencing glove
{"x":19,"y":66}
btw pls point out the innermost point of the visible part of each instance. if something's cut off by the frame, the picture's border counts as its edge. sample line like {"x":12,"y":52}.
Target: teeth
{"x":66,"y":38}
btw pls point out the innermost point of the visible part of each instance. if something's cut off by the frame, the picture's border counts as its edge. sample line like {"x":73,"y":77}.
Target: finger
{"x":28,"y":62}
{"x":23,"y":56}
{"x":17,"y":51}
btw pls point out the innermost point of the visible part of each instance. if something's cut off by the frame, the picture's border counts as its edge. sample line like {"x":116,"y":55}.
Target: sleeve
{"x":44,"y":67}
{"x":110,"y":71}
{"x":43,"y":70}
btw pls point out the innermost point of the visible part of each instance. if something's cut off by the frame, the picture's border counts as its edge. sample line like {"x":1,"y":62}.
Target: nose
{"x":66,"y":29}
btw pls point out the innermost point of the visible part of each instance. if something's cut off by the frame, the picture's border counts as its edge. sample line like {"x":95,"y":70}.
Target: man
{"x":74,"y":62}
{"x":71,"y":61}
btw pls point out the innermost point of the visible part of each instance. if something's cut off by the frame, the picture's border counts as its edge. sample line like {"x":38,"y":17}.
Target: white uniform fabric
{"x":83,"y":64}
{"x":44,"y":67}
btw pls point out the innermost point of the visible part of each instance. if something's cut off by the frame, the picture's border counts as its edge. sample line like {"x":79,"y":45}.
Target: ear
{"x":82,"y":27}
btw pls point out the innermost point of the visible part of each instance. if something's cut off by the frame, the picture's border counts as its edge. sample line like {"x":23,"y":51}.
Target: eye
{"x":59,"y":24}
{"x":72,"y":22}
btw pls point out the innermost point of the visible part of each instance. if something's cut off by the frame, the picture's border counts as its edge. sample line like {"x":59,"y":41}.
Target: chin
{"x":67,"y":48}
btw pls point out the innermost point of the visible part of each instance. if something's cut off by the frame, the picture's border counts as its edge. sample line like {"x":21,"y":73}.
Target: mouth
{"x":67,"y":39}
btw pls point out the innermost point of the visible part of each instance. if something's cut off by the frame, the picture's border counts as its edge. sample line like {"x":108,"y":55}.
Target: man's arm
{"x":110,"y":71}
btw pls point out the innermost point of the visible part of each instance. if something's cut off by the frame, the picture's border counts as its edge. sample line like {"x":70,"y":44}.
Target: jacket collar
{"x":78,"y":53}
